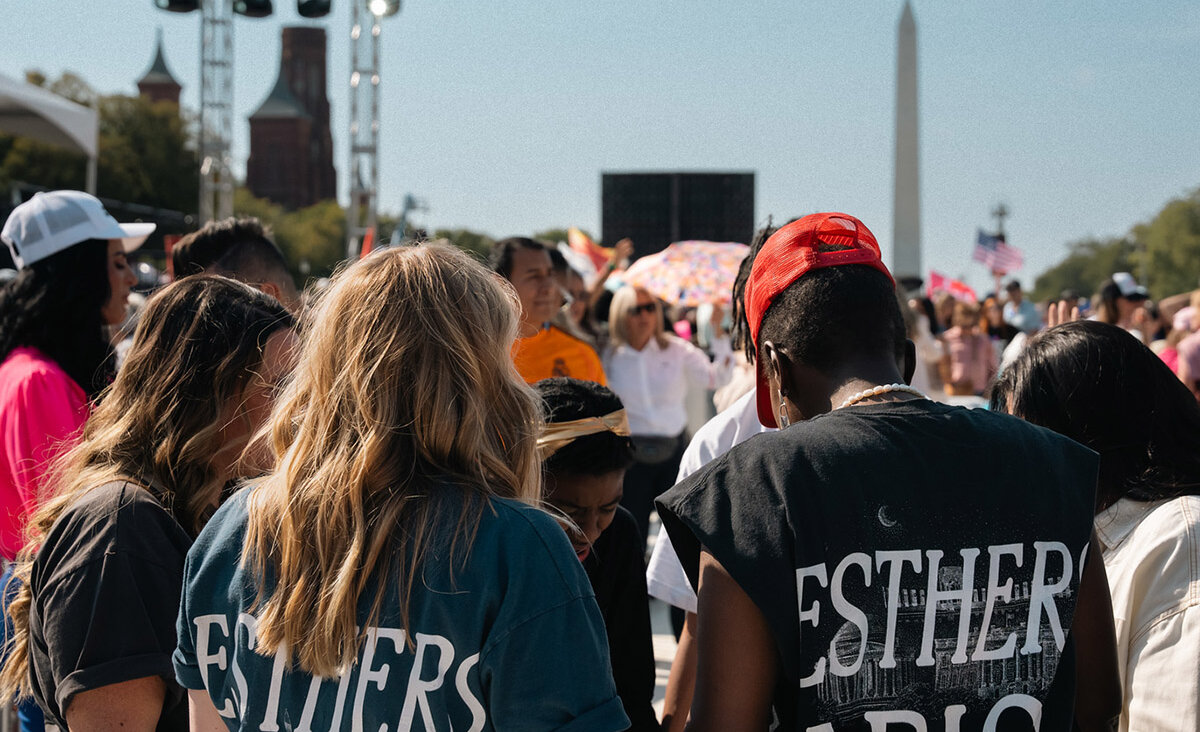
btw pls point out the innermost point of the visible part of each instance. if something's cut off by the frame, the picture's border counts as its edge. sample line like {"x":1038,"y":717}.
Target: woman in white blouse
{"x":651,"y":371}
{"x":1098,"y":385}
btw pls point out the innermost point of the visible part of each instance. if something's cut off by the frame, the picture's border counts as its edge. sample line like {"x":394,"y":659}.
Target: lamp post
{"x":362,"y":213}
{"x":216,"y":91}
{"x":216,"y":110}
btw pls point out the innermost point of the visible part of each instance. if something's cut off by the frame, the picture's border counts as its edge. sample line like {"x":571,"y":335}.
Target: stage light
{"x":383,"y":8}
{"x":177,"y":6}
{"x":313,"y":8}
{"x":253,"y":8}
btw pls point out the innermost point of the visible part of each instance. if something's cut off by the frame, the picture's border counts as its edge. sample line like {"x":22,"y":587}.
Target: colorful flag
{"x":996,"y":254}
{"x":939,"y":282}
{"x":583,"y":244}
{"x":368,"y":243}
{"x":961,"y":291}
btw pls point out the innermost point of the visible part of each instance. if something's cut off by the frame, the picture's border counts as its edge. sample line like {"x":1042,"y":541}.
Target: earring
{"x":783,"y":417}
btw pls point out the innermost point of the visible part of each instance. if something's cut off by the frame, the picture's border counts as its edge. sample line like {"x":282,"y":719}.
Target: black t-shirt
{"x":617,"y":571}
{"x":855,"y":533}
{"x":106,"y":585}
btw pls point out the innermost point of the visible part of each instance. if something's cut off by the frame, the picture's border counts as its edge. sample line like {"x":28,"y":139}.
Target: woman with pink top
{"x":970,"y":361}
{"x":55,"y":357}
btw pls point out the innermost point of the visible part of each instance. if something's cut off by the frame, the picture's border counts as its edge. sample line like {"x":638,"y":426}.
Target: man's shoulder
{"x":736,"y":424}
{"x":567,"y":339}
{"x":948,"y":431}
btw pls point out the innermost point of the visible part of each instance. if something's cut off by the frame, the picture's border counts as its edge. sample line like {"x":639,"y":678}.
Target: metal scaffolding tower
{"x":216,"y":110}
{"x":364,"y":125}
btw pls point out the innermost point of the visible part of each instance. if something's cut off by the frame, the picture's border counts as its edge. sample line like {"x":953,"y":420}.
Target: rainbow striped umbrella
{"x":689,"y":273}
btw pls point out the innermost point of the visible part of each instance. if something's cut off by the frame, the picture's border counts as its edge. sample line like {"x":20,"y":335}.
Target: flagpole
{"x":1000,"y":212}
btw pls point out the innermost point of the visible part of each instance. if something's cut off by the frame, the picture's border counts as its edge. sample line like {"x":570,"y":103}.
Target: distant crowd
{"x":420,"y":494}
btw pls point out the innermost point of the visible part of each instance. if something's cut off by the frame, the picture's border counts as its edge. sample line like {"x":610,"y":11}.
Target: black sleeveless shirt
{"x":912,"y":559}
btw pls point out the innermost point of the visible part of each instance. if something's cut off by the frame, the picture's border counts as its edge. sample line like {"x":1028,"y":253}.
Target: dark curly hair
{"x":1098,"y":385}
{"x":55,"y":305}
{"x":833,"y":315}
{"x":564,"y":400}
{"x":501,"y":258}
{"x":740,"y":335}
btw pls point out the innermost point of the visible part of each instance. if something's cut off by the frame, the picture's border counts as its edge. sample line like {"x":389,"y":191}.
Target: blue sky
{"x":1081,"y":116}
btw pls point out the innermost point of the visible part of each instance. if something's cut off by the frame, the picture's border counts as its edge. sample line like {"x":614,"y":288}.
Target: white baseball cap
{"x":51,"y":222}
{"x":1129,"y":287}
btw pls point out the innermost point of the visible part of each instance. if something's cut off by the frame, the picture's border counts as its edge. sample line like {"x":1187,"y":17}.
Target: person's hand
{"x":622,"y":251}
{"x":1061,"y":312}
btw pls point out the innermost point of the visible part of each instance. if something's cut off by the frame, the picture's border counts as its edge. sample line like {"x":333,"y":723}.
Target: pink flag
{"x":961,"y":291}
{"x":937,"y":282}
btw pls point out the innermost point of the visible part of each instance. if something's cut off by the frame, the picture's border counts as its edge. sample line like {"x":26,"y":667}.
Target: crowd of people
{"x":420,"y":496}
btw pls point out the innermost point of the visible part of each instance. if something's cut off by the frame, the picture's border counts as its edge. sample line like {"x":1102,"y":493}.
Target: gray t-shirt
{"x":105,"y":586}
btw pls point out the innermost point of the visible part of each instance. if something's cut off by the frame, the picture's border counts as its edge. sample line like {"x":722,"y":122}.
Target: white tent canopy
{"x":31,"y":111}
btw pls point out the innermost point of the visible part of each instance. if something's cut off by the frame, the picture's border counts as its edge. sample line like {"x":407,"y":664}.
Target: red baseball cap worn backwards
{"x":815,"y":241}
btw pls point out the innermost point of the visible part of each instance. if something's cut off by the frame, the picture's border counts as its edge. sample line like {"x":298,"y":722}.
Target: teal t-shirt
{"x":511,"y":640}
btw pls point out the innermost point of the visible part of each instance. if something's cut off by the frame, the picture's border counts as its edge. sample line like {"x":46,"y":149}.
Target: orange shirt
{"x":554,"y":352}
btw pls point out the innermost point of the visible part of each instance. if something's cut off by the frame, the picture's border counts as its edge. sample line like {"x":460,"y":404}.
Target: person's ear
{"x":271,"y":289}
{"x":779,"y":367}
{"x":909,"y":366}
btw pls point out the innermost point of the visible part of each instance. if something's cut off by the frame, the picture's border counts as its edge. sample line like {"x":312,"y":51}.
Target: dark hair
{"x":1098,"y":385}
{"x":836,"y":314}
{"x":564,"y":400}
{"x":237,"y":248}
{"x":500,"y":260}
{"x":740,"y":333}
{"x":1107,"y":311}
{"x":926,"y":305}
{"x":55,"y":305}
{"x":558,"y":262}
{"x":202,"y":335}
{"x":161,"y":422}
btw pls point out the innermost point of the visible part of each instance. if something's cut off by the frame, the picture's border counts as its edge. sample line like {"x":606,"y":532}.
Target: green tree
{"x":554,"y":236}
{"x":313,"y":239}
{"x":1087,"y":266}
{"x":1169,"y":248}
{"x":474,"y":243}
{"x":41,"y":164}
{"x":317,"y":235}
{"x":69,"y":86}
{"x":147,"y":154}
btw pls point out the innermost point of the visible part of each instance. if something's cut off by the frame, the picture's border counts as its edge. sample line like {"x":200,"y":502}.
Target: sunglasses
{"x":638,"y":309}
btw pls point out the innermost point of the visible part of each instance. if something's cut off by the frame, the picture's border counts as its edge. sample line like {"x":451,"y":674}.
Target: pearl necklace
{"x":883,"y":389}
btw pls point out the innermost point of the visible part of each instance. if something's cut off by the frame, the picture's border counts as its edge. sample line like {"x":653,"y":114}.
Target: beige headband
{"x":560,"y":434}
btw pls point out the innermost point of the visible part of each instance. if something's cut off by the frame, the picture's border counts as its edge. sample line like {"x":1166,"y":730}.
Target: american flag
{"x":996,"y":254}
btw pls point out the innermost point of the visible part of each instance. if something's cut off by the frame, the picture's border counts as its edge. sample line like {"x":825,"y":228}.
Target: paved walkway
{"x":664,"y":637}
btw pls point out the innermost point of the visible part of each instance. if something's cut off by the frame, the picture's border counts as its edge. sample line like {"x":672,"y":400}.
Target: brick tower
{"x":157,"y":84}
{"x":278,"y":168}
{"x":291,"y":147}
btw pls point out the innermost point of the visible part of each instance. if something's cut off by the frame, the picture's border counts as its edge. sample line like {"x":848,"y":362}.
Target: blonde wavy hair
{"x":625,"y":300}
{"x":405,"y":412}
{"x":160,"y":423}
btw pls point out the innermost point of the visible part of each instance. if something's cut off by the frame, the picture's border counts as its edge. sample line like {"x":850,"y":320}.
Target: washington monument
{"x":906,"y":200}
